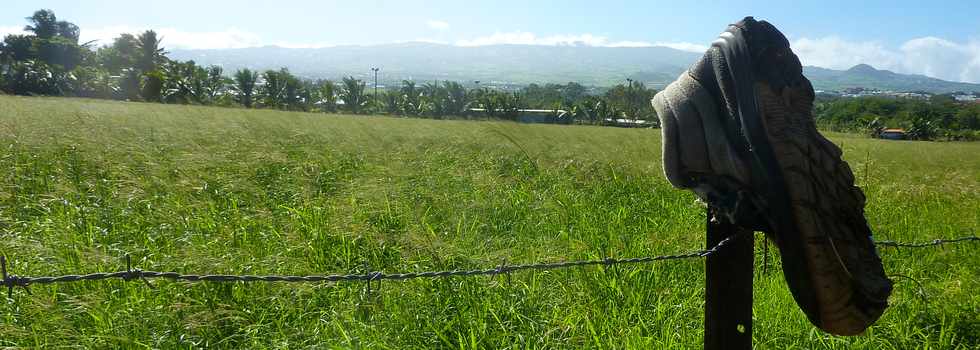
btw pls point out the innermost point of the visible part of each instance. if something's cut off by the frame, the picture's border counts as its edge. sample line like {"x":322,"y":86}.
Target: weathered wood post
{"x":728,"y":287}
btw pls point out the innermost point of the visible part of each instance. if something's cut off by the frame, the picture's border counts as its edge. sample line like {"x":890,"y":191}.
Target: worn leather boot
{"x":782,"y":177}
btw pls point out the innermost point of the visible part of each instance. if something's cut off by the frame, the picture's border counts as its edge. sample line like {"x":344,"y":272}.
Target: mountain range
{"x":524,"y":64}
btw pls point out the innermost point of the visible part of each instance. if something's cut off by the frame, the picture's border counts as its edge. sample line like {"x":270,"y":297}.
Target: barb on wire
{"x":10,"y":281}
{"x":132,"y":273}
{"x":503,"y":269}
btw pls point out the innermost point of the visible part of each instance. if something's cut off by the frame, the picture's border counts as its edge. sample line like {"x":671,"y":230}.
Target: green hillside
{"x":866,"y":76}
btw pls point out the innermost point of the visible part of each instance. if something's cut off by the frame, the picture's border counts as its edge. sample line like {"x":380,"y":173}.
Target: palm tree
{"x":434,"y":98}
{"x":296,"y":94}
{"x":274,"y":89}
{"x":120,"y":55}
{"x":512,"y":104}
{"x":283,"y":90}
{"x":152,"y":86}
{"x":245,"y":86}
{"x":602,"y":110}
{"x":411,"y":101}
{"x":457,"y":99}
{"x":214,"y":84}
{"x":69,"y":31}
{"x":490,"y":102}
{"x":44,"y":24}
{"x":326,"y":96}
{"x":185,"y":82}
{"x":392,"y":101}
{"x":150,"y":52}
{"x":129,"y":85}
{"x":577,"y":112}
{"x":352,"y":93}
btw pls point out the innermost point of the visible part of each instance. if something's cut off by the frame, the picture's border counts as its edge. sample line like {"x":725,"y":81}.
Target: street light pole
{"x":629,"y":98}
{"x":375,"y":69}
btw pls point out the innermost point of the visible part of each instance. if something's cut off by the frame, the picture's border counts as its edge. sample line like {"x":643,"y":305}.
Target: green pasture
{"x":235,"y":191}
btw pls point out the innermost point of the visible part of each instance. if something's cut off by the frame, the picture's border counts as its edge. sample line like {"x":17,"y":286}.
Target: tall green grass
{"x":210,"y":190}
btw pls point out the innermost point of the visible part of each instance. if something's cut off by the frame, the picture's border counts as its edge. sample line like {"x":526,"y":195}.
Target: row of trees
{"x":570,"y":103}
{"x":50,"y":60}
{"x":630,"y":101}
{"x":939,"y":117}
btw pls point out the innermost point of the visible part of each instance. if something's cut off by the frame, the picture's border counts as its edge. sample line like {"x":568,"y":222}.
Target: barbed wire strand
{"x":931,"y":243}
{"x":11,"y":281}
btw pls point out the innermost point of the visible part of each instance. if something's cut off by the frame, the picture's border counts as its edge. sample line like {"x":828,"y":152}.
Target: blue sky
{"x":935,"y":38}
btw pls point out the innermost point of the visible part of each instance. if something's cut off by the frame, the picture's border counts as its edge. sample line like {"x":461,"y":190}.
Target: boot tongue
{"x":714,"y":75}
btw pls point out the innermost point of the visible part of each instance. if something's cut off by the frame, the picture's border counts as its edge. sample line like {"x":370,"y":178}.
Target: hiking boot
{"x":755,"y":155}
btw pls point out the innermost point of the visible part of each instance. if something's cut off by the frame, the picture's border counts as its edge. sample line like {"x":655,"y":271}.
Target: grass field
{"x":212,"y":190}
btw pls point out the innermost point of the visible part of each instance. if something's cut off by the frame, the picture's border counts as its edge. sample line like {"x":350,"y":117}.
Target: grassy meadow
{"x":234,"y":191}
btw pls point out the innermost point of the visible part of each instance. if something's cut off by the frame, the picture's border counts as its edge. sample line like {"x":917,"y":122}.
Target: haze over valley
{"x":512,"y":64}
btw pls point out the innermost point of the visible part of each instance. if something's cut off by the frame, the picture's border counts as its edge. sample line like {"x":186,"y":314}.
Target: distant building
{"x":893,"y":134}
{"x":862,"y":92}
{"x":537,"y":116}
{"x":966,"y":97}
{"x":916,"y":95}
{"x":630,"y":123}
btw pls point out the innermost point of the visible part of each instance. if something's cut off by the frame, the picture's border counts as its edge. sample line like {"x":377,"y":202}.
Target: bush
{"x":33,"y":77}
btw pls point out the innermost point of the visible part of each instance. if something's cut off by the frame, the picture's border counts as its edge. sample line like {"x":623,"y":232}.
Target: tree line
{"x":50,"y":60}
{"x":939,"y":117}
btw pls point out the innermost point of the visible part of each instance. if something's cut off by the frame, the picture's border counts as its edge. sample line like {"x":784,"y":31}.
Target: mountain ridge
{"x":525,"y":64}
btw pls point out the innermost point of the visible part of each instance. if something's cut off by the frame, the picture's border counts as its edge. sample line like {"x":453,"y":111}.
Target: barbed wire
{"x":931,"y":243}
{"x":11,"y":281}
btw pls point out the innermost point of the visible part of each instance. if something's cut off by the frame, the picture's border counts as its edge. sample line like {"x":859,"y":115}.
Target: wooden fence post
{"x":728,"y":287}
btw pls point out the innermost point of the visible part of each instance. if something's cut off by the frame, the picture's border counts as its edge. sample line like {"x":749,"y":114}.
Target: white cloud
{"x":628,"y":43}
{"x":517,"y":38}
{"x":424,"y":40}
{"x":172,"y":38}
{"x":683,"y":46}
{"x":6,"y":30}
{"x":178,"y":39}
{"x":295,"y":45}
{"x":942,"y":58}
{"x":930,"y":56}
{"x":837,"y":53}
{"x":226,"y":39}
{"x":437,"y":25}
{"x":527,"y":38}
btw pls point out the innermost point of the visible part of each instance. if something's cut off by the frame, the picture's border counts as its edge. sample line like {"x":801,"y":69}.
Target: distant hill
{"x":866,"y":76}
{"x":520,"y":64}
{"x":524,"y":64}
